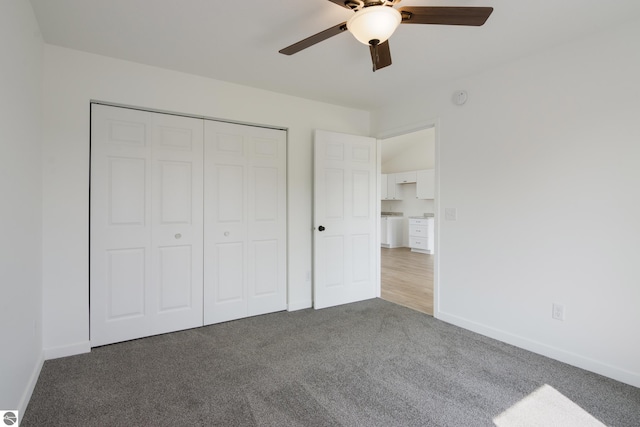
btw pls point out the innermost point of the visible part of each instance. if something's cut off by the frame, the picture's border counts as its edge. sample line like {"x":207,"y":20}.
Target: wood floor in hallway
{"x":407,"y":278}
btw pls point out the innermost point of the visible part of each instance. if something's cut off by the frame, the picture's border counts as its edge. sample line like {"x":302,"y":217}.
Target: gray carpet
{"x":371,"y":363}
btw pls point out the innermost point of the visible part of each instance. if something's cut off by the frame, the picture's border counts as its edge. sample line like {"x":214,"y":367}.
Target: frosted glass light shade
{"x":374,"y":23}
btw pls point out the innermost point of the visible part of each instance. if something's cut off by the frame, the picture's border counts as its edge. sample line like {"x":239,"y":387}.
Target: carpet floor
{"x":372,"y":363}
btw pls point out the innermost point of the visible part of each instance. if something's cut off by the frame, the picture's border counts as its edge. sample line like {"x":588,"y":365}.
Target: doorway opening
{"x":408,"y":209}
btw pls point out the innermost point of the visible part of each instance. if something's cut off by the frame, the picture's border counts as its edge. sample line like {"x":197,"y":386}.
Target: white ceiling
{"x":238,"y":41}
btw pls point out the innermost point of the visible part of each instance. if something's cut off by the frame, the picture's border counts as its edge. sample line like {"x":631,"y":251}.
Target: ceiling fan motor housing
{"x":361,"y":4}
{"x":374,"y":24}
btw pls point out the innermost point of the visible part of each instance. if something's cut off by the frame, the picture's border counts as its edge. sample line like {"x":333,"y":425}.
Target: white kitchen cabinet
{"x":425,"y":184}
{"x":421,"y":233}
{"x":393,"y":190}
{"x":383,"y":186}
{"x":391,"y":231}
{"x":406,"y":177}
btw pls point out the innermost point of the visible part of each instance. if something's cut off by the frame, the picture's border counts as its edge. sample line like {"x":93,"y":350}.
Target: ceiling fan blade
{"x":380,"y":55}
{"x":342,"y":3}
{"x":474,"y":16}
{"x":316,"y":38}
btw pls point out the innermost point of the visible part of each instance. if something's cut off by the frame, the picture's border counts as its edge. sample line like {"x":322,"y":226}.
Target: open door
{"x":345,"y":226}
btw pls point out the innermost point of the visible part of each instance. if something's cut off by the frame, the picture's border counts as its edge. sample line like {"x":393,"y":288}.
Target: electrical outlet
{"x":557,"y":311}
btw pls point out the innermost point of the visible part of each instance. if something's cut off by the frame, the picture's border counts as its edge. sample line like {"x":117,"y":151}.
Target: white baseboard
{"x":574,"y":359}
{"x":67,"y":350}
{"x":31,"y":385}
{"x":299,"y":305}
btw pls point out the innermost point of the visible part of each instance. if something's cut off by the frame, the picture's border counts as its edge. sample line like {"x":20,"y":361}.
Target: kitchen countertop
{"x":426,"y":215}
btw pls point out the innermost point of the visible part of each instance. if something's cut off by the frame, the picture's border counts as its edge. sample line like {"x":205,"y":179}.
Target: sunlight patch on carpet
{"x":546,"y":407}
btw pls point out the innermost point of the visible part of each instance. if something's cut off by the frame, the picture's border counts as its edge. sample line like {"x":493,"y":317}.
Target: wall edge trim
{"x":30,"y":386}
{"x":570,"y":358}
{"x":67,"y":350}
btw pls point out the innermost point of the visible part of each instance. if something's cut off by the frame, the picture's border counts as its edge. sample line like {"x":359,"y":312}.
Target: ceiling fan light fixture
{"x":374,"y":24}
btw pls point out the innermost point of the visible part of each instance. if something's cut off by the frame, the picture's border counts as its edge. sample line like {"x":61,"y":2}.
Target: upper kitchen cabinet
{"x":426,"y":184}
{"x":389,"y":189}
{"x":406,"y":177}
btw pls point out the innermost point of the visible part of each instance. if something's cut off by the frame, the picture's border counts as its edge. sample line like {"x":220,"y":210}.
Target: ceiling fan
{"x":375,"y":21}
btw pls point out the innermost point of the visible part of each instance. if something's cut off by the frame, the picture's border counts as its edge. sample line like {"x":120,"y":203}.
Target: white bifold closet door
{"x":146,"y":260}
{"x":245,"y":221}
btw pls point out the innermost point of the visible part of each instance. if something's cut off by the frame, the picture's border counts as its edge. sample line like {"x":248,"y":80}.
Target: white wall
{"x":409,"y":152}
{"x":542,"y":166}
{"x":21,"y":211}
{"x":72,"y":79}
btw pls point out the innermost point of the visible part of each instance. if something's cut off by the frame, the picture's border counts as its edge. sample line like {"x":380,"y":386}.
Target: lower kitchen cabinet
{"x":391,"y":231}
{"x":421,"y":233}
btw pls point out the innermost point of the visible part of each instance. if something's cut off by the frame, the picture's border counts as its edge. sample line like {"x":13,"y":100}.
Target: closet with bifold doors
{"x":187,"y":222}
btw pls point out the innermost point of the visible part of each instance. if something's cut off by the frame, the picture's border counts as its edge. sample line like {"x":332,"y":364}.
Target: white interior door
{"x":146,"y":224}
{"x":245,"y":221}
{"x":345,"y":225}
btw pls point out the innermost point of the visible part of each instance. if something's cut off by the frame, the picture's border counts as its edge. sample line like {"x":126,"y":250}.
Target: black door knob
{"x":321,"y":228}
